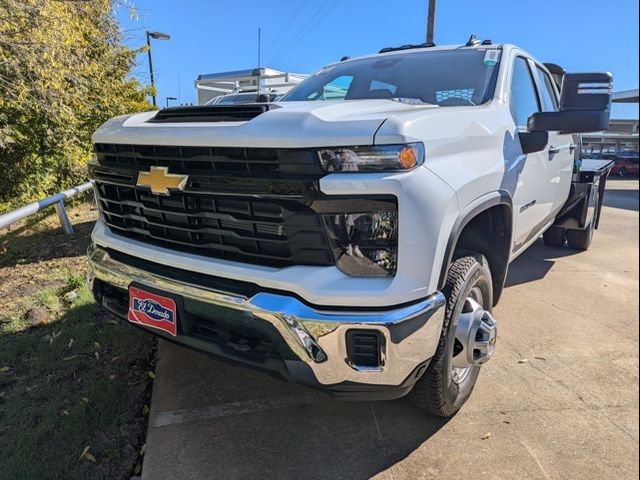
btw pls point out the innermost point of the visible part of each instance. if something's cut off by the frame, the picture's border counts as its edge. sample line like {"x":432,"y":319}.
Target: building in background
{"x":212,"y":85}
{"x":622,"y":135}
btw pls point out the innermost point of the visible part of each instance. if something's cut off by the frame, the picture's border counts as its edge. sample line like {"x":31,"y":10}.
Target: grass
{"x":71,"y":375}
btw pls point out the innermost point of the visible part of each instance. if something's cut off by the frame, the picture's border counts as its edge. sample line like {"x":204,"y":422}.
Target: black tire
{"x":581,"y":239}
{"x":623,"y":172}
{"x":436,"y":393}
{"x":555,"y":237}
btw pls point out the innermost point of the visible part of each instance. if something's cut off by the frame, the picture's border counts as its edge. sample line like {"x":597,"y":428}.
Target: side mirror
{"x":532,"y":142}
{"x":585,"y":105}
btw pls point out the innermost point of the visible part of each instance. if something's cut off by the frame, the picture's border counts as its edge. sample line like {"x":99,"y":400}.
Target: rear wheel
{"x":555,"y":237}
{"x":452,"y":373}
{"x":581,"y":239}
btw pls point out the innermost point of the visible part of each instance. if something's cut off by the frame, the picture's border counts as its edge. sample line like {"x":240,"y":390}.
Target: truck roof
{"x":408,"y":49}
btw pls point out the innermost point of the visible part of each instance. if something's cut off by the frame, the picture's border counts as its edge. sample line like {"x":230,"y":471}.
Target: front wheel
{"x":468,"y":338}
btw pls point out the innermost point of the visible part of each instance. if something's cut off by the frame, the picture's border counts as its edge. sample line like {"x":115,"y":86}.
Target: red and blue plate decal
{"x":151,"y":310}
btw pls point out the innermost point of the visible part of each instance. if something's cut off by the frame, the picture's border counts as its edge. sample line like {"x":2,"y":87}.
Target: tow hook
{"x":476,"y":335}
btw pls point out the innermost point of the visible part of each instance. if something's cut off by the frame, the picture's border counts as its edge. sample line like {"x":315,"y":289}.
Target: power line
{"x":328,"y":10}
{"x":300,"y":33}
{"x":306,"y":28}
{"x":284,"y":27}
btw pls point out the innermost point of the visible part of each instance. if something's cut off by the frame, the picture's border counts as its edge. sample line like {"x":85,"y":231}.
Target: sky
{"x":301,"y":36}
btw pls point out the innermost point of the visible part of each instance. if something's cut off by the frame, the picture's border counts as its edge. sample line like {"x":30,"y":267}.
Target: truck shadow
{"x":17,"y":248}
{"x":314,"y":436}
{"x":535,"y":263}
{"x":621,"y":198}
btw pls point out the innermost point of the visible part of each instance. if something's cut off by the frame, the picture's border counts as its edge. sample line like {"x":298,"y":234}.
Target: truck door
{"x":532,"y":201}
{"x":561,"y":147}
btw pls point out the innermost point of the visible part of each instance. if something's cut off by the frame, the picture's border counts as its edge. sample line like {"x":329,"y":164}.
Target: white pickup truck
{"x":354,"y":236}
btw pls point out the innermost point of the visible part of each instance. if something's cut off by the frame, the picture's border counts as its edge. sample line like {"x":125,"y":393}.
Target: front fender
{"x":466,"y":216}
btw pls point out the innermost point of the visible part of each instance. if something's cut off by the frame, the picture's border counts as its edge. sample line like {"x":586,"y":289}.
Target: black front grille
{"x":236,"y":338}
{"x":242,"y":204}
{"x":276,"y":233}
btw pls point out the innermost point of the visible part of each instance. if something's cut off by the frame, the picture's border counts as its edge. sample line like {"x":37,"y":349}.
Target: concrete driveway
{"x":560,"y":400}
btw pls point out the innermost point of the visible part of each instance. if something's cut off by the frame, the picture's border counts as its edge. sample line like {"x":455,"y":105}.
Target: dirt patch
{"x":75,"y":381}
{"x":37,"y":259}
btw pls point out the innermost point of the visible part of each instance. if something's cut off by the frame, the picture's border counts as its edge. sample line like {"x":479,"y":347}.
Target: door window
{"x":548,"y":94}
{"x":524,"y":99}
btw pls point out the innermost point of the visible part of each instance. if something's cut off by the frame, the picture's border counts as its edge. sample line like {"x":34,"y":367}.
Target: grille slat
{"x":231,"y":208}
{"x":195,"y":214}
{"x":194,"y":160}
{"x":265,"y":219}
{"x":145,"y":235}
{"x":212,"y":183}
{"x":221,"y":231}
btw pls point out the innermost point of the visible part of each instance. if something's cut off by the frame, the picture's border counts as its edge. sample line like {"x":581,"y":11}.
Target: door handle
{"x":572,"y":148}
{"x":553,"y":151}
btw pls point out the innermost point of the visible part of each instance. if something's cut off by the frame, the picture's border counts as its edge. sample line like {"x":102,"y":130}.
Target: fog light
{"x":365,"y":244}
{"x":364,"y":348}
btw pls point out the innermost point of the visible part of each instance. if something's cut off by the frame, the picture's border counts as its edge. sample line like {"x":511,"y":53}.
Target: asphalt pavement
{"x":559,"y":399}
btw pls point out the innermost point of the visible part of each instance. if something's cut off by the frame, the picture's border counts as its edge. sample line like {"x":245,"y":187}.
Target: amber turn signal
{"x":407,"y":157}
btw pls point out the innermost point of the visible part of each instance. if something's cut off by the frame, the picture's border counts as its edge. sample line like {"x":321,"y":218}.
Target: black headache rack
{"x":587,"y":194}
{"x":210,"y":113}
{"x":407,"y":47}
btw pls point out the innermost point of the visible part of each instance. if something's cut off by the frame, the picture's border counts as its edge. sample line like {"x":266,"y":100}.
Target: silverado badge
{"x":160,"y":180}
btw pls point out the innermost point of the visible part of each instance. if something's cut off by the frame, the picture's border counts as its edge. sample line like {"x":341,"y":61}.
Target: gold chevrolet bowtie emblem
{"x":160,"y":180}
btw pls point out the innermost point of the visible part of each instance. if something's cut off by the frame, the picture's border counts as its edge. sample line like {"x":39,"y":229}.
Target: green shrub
{"x":64,"y":70}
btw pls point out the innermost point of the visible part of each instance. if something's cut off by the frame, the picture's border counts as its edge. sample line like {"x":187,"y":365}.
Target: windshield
{"x":440,"y":77}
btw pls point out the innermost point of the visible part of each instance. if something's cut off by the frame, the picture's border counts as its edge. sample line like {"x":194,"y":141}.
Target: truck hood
{"x":287,"y":125}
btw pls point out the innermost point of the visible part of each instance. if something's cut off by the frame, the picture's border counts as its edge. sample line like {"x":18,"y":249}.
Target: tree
{"x":64,"y":70}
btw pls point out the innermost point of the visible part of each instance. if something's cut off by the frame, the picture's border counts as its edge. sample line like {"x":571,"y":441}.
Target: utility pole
{"x":431,"y":20}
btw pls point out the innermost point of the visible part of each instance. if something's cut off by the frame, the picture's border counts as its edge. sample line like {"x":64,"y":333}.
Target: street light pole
{"x":167,"y":100}
{"x":431,"y":20}
{"x":155,"y":36}
{"x":259,"y":66}
{"x":153,"y":84}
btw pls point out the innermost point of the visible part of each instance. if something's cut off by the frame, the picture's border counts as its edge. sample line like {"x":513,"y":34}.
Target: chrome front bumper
{"x":316,"y":336}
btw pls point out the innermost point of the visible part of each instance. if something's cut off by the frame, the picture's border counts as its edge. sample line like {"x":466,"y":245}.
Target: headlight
{"x":365,"y":244}
{"x":372,"y":159}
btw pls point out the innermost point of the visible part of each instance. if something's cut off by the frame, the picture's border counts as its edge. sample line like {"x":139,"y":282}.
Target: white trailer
{"x":211,"y":85}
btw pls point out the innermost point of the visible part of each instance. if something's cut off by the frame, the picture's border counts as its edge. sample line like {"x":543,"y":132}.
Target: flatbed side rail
{"x":56,"y":200}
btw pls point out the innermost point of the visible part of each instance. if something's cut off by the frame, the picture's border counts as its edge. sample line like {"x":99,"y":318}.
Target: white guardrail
{"x":57,"y":200}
